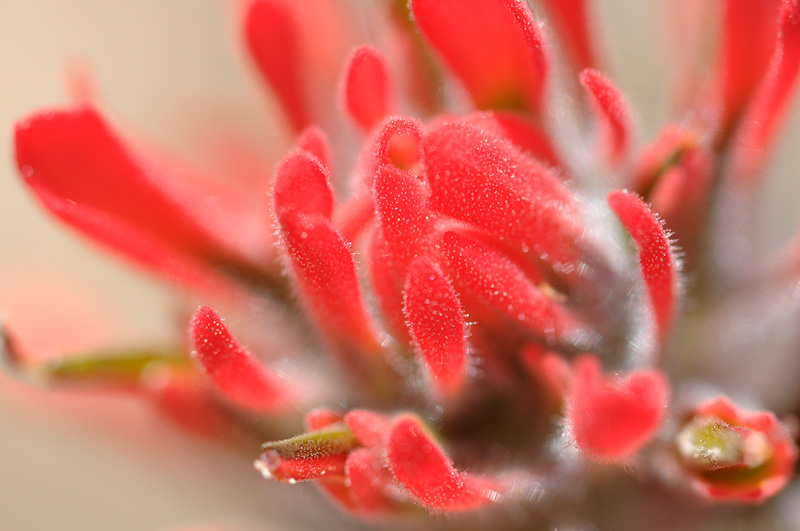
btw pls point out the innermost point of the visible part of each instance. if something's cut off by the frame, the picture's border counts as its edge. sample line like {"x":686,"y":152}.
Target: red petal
{"x":572,"y":22}
{"x":314,"y":141}
{"x":271,"y":35}
{"x":612,"y":418}
{"x":493,"y":46}
{"x":769,"y":105}
{"x":386,"y":285}
{"x":325,"y":274}
{"x":436,"y":322}
{"x":316,"y":419}
{"x":401,"y":205}
{"x":370,"y":429}
{"x":481,"y":179}
{"x":611,"y":114}
{"x":87,"y":176}
{"x":366,"y":89}
{"x":301,"y":184}
{"x":748,"y":40}
{"x":500,"y":285}
{"x":423,"y":468}
{"x":656,"y":261}
{"x":232,"y":369}
{"x":368,"y":480}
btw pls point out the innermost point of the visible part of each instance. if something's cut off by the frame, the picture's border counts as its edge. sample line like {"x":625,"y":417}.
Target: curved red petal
{"x":656,"y":261}
{"x":508,"y":68}
{"x":324,"y":272}
{"x":612,"y":418}
{"x":436,"y":322}
{"x":301,"y":184}
{"x":401,"y":208}
{"x":522,"y":132}
{"x":272,"y":39}
{"x":483,"y":180}
{"x":232,"y":369}
{"x":611,"y":114}
{"x":85,"y":174}
{"x":768,"y":107}
{"x":423,"y":468}
{"x":571,"y":19}
{"x":366,"y":88}
{"x":314,"y":141}
{"x":500,"y":285}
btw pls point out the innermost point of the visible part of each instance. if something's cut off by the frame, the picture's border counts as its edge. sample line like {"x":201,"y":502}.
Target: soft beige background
{"x":82,"y":462}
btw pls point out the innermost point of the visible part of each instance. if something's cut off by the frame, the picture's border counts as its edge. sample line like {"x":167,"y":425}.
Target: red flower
{"x":471,"y":275}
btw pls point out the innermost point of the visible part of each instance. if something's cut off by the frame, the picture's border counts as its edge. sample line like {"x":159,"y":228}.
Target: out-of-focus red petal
{"x":88,"y":177}
{"x":550,"y":368}
{"x":611,"y":114}
{"x":366,"y":89}
{"x":324,"y":272}
{"x":483,"y":180}
{"x":301,"y":184}
{"x":493,"y":46}
{"x":369,"y":428}
{"x":423,"y":468}
{"x":522,"y":132}
{"x":232,"y":369}
{"x":386,"y":285}
{"x":436,"y":322}
{"x":572,"y":22}
{"x":610,"y":418}
{"x":769,"y":105}
{"x":314,"y":141}
{"x":656,"y":260}
{"x":500,"y":285}
{"x":401,"y":205}
{"x":316,"y":419}
{"x":368,"y":479}
{"x":748,"y":41}
{"x":272,"y":39}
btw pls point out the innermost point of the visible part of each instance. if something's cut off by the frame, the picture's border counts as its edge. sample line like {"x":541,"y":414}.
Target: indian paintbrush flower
{"x":497,"y":310}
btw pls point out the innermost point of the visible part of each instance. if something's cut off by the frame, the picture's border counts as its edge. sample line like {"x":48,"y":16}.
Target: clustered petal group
{"x":480,"y":305}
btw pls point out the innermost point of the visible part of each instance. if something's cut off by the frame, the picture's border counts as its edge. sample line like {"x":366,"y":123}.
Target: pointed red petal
{"x":483,"y":180}
{"x":423,"y":468}
{"x":314,"y":141}
{"x":272,"y":39}
{"x":656,"y":260}
{"x":436,"y":322}
{"x":301,"y":184}
{"x":500,"y":285}
{"x":493,"y":46}
{"x":611,"y":114}
{"x":748,"y":42}
{"x":366,"y":88}
{"x":87,"y":176}
{"x":572,"y":22}
{"x":401,"y":205}
{"x":768,"y":108}
{"x":232,"y":369}
{"x":612,"y":418}
{"x":325,"y":275}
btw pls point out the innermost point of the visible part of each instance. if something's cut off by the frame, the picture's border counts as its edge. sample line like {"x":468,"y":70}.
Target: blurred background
{"x":78,"y":461}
